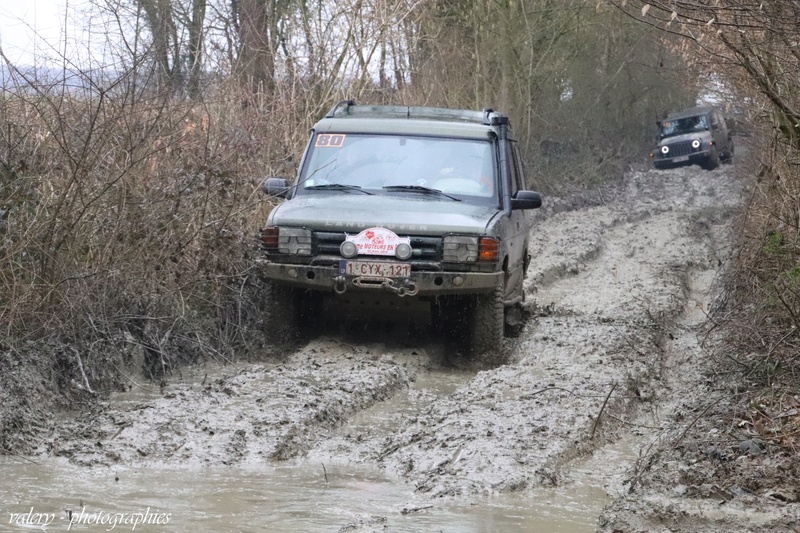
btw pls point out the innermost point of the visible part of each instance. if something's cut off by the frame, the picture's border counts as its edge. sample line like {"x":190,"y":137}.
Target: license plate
{"x":681,"y":159}
{"x":375,"y":269}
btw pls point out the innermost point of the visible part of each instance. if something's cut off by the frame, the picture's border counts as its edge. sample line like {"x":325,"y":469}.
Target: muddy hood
{"x":409,"y":213}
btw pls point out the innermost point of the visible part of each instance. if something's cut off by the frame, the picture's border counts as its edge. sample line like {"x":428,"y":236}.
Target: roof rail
{"x":487,"y":116}
{"x":345,"y":103}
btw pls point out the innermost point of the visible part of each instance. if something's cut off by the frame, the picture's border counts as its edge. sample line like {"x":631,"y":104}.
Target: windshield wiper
{"x":339,"y":187}
{"x":420,"y":188}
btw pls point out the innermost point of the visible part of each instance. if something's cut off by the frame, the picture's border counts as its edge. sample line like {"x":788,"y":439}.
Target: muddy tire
{"x":282,"y":313}
{"x":486,"y":326}
{"x":712,"y":161}
{"x":449,"y":319}
{"x":514,"y":315}
{"x":728,"y":159}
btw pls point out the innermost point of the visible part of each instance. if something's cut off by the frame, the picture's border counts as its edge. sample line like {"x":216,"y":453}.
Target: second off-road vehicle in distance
{"x":397,"y":207}
{"x":695,"y":136}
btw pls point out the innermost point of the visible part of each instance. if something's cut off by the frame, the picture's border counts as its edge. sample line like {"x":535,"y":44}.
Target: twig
{"x":687,"y":428}
{"x":602,"y":408}
{"x":126,"y":376}
{"x":325,"y":472}
{"x":12,"y":454}
{"x":80,"y":367}
{"x":631,"y":424}
{"x":641,"y":467}
{"x":120,"y":430}
{"x":215,"y":351}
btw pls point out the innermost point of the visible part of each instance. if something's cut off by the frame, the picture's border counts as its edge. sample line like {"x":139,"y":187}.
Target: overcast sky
{"x":31,"y":31}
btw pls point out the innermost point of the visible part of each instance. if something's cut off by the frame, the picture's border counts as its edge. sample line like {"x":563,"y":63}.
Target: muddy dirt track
{"x":617,"y":295}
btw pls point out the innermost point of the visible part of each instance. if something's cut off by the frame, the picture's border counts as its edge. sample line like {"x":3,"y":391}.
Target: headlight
{"x":696,"y":144}
{"x":665,"y":150}
{"x":295,"y":241}
{"x":459,"y":249}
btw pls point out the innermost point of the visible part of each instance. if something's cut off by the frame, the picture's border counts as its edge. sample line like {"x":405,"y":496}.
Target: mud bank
{"x":617,"y":296}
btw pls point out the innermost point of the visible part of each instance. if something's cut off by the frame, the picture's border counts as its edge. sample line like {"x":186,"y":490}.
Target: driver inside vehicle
{"x":338,"y":162}
{"x":467,"y":169}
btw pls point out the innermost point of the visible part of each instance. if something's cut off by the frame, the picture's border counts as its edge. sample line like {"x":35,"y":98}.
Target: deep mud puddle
{"x":330,"y":489}
{"x":294,"y":498}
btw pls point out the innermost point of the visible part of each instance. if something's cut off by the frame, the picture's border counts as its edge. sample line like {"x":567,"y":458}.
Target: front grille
{"x":424,"y":249}
{"x":680,"y":148}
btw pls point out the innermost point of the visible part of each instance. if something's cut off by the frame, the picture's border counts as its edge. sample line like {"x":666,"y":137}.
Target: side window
{"x":714,"y":120}
{"x":521,"y":184}
{"x":513,"y":167}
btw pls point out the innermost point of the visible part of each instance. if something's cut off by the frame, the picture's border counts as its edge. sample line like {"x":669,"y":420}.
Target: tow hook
{"x":408,"y":288}
{"x":339,"y":284}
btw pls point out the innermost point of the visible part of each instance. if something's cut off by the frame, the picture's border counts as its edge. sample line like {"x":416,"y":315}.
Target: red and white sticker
{"x":377,"y":241}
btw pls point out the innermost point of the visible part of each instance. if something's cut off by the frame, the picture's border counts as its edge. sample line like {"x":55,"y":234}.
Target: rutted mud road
{"x":616,"y":293}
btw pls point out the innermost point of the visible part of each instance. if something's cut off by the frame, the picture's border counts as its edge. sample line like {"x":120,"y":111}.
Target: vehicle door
{"x":520,"y":223}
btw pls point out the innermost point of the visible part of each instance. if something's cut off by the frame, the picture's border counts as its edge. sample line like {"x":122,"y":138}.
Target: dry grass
{"x":130,"y":220}
{"x":761,"y":307}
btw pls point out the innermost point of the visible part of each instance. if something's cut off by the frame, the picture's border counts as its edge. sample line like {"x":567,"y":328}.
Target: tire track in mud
{"x":611,"y":282}
{"x":606,"y":285}
{"x":265,"y":413}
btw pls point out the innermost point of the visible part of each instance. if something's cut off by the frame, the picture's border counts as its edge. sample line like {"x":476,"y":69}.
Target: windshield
{"x":391,"y":164}
{"x":679,"y":126}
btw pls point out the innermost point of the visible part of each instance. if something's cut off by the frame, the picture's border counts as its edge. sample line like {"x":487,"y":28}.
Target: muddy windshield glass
{"x":680,"y":126}
{"x":390,"y":164}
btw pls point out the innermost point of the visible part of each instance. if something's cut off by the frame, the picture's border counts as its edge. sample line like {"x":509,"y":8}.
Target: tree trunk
{"x":158,"y":15}
{"x":196,"y":47}
{"x":256,"y":59}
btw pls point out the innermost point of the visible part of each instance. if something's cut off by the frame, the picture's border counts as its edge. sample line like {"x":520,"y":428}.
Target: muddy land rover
{"x":409,"y":209}
{"x":697,"y":136}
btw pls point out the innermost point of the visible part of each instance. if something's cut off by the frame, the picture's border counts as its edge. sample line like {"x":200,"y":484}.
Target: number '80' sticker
{"x":330,"y":140}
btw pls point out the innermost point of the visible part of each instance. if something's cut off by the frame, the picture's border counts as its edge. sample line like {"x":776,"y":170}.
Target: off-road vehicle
{"x":398,"y":207}
{"x":696,"y":136}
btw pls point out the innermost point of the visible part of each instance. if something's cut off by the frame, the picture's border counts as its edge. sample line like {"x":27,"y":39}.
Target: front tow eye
{"x":339,"y":284}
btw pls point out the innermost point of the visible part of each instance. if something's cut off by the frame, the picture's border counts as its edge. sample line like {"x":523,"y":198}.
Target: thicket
{"x":751,"y":47}
{"x":129,"y":178}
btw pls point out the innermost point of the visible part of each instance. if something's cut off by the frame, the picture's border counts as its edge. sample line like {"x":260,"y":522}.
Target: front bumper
{"x":420,"y":283}
{"x":695,"y":158}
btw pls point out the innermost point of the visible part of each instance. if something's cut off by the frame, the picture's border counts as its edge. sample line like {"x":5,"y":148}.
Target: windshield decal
{"x":330,"y":140}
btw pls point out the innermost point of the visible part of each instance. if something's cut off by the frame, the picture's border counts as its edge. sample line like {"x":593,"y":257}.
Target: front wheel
{"x":282,"y":313}
{"x":729,"y":157}
{"x":712,"y":161}
{"x":486,"y":326}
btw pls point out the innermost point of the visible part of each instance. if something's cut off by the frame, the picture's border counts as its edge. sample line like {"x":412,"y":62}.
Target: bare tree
{"x":166,"y":45}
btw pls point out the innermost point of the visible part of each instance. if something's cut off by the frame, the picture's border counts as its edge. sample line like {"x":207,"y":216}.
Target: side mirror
{"x":526,"y":200}
{"x":276,"y":187}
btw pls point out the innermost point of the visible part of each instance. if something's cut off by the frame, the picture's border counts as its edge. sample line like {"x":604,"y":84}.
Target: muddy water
{"x":358,"y":434}
{"x":314,"y":494}
{"x":291,"y":499}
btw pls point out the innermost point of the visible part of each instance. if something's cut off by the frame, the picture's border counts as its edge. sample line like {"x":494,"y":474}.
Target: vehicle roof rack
{"x":340,"y":103}
{"x":348,"y":108}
